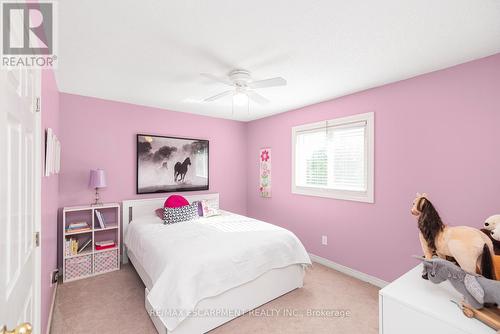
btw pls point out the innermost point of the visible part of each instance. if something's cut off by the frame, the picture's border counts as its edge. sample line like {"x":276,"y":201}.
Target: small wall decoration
{"x":265,"y":172}
{"x":171,"y":164}
{"x":52,"y":153}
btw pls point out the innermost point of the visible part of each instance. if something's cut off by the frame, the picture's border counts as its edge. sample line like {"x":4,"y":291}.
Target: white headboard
{"x":139,"y":207}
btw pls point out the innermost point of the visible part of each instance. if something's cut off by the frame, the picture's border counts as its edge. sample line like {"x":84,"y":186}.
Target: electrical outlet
{"x":324,"y":240}
{"x":54,"y":276}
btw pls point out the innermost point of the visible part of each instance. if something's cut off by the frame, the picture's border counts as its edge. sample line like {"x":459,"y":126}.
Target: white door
{"x":20,"y":173}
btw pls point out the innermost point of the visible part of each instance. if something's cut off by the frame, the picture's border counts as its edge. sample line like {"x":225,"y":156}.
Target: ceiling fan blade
{"x":278,"y":81}
{"x":218,"y":79}
{"x":257,"y":97}
{"x":218,"y":96}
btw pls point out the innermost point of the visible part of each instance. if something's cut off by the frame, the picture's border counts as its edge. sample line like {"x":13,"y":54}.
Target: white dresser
{"x":412,"y":305}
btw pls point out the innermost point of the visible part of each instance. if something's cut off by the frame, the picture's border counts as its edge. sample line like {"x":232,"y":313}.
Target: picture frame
{"x":52,"y":153}
{"x":171,"y":164}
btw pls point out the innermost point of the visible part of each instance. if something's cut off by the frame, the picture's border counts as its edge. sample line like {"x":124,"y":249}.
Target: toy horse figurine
{"x":470,"y":247}
{"x":477,"y":290}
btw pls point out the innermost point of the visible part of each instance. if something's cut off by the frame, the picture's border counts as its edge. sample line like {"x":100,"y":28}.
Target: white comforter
{"x":191,"y":261}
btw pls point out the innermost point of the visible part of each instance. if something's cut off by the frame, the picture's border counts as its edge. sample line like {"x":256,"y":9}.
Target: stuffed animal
{"x":492,"y":222}
{"x":495,"y":234}
{"x":476,"y":290}
{"x":496,"y":243}
{"x":470,"y":247}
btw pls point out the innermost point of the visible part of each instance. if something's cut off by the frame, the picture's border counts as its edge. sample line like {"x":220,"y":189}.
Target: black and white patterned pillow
{"x":180,"y":214}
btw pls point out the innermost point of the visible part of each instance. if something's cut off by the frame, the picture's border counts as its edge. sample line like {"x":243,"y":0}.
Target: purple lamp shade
{"x":97,"y":178}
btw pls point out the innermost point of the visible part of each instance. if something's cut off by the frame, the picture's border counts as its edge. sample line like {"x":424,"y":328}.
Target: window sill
{"x":356,"y":196}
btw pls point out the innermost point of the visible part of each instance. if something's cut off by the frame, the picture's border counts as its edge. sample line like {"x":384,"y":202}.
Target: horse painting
{"x":180,"y":169}
{"x":470,"y":247}
{"x":171,"y":164}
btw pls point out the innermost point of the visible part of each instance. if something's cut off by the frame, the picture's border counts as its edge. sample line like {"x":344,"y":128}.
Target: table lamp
{"x":97,"y":181}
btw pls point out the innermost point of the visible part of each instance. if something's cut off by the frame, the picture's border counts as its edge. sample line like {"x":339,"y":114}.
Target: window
{"x":334,"y":158}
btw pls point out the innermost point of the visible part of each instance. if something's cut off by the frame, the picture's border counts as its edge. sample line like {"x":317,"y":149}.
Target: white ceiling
{"x":152,"y":52}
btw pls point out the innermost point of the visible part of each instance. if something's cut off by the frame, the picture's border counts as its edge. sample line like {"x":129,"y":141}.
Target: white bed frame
{"x":265,"y":288}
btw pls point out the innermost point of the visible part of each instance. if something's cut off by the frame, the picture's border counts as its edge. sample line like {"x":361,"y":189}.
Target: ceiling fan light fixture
{"x":242,"y":88}
{"x":240,"y":98}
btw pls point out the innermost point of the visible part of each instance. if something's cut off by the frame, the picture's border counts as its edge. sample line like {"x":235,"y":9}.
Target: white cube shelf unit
{"x":90,"y":262}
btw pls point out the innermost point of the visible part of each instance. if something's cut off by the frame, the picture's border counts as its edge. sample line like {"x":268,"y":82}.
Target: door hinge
{"x":37,"y":239}
{"x":36,"y":105}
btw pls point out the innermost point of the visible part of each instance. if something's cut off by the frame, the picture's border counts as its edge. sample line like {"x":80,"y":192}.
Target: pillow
{"x":208,"y":210}
{"x":180,"y":214}
{"x":175,"y":201}
{"x":159,"y":213}
{"x":200,"y":208}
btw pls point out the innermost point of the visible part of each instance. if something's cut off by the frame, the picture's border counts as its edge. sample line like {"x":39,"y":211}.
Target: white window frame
{"x":359,"y":196}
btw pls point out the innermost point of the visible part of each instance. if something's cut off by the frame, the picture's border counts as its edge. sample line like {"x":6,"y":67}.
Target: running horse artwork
{"x":180,"y":170}
{"x":171,"y":164}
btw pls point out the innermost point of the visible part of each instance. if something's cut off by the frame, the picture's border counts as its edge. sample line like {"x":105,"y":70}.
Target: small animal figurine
{"x":495,"y":234}
{"x":492,"y":230}
{"x":496,"y":243}
{"x":470,"y":247}
{"x":492,"y":222}
{"x":476,"y":290}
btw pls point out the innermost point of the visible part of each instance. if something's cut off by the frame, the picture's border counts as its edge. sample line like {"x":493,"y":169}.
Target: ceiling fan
{"x":243,"y":86}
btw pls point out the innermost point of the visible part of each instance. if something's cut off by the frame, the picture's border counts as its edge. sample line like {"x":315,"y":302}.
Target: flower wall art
{"x":265,"y":172}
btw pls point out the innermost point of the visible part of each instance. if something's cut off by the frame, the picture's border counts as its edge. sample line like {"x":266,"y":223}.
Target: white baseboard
{"x":51,"y":312}
{"x":348,"y":271}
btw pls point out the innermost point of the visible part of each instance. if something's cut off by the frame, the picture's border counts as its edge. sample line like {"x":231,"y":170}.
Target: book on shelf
{"x":100,"y":245}
{"x":104,"y":247}
{"x":71,"y":247}
{"x":78,"y":227}
{"x":67,"y":251}
{"x":105,"y":243}
{"x":79,"y":230}
{"x":100,"y":218}
{"x":85,"y":245}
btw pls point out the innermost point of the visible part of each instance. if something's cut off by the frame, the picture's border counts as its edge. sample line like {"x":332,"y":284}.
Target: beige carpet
{"x":114,"y":303}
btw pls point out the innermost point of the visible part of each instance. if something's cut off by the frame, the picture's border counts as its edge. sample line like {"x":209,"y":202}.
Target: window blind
{"x":333,"y":157}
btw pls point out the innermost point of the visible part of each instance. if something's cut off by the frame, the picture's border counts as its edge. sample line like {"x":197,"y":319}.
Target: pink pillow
{"x":175,"y":201}
{"x":159,"y":213}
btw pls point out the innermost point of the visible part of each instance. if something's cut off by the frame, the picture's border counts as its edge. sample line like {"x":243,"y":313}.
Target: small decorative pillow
{"x":159,"y":212}
{"x":180,"y":214}
{"x":175,"y":201}
{"x":208,"y":211}
{"x":200,"y":207}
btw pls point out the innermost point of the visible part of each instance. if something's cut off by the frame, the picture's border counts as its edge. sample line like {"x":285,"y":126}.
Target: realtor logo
{"x":28,"y":34}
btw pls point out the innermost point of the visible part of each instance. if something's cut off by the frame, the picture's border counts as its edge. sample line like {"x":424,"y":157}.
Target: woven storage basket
{"x":76,"y":267}
{"x":106,"y":261}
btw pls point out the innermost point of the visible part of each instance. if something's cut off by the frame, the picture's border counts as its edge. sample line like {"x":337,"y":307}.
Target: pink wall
{"x":50,"y":184}
{"x":437,"y":133}
{"x":101,"y":133}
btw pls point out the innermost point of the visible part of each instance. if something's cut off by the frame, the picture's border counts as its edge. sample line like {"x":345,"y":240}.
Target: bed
{"x":199,"y":275}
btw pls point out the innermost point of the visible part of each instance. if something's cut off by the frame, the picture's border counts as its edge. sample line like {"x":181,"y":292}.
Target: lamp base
{"x":97,"y":202}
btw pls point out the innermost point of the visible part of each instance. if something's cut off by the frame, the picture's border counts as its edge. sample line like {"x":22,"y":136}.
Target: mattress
{"x":190,"y":261}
